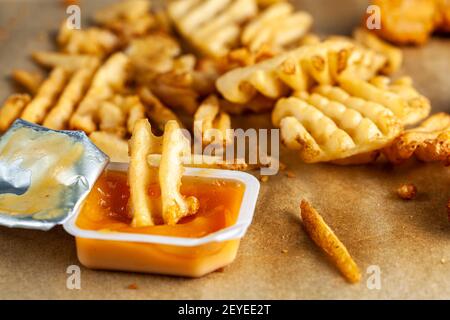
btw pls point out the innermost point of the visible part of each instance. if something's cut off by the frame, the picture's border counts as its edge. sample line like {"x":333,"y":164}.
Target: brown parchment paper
{"x":408,"y":241}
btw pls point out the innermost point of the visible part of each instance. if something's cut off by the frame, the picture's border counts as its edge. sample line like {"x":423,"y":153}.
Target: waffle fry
{"x":69,"y":62}
{"x":12,"y":108}
{"x":277,"y":26}
{"x":429,"y":142}
{"x":77,"y":86}
{"x":212,"y":124}
{"x":46,"y":96}
{"x":329,"y":124}
{"x":393,"y":55}
{"x":296,"y":70}
{"x":141,"y":176}
{"x":31,"y":81}
{"x":114,"y":146}
{"x":109,"y":78}
{"x":211,"y":26}
{"x":399,"y":96}
{"x":91,"y":41}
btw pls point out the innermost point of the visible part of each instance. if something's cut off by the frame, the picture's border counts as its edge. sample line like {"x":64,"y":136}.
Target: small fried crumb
{"x":290,"y":174}
{"x":220,"y":270}
{"x":443,"y":260}
{"x":407,"y":191}
{"x":264,"y":178}
{"x":284,"y":251}
{"x":282,"y":166}
{"x":132,"y":286}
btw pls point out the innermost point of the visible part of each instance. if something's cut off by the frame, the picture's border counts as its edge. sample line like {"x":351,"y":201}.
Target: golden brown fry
{"x":135,"y":111}
{"x":407,"y":191}
{"x":46,"y":96}
{"x":175,"y":146}
{"x":112,"y":119}
{"x":212,"y":124}
{"x":325,"y":239}
{"x":59,"y":116}
{"x":407,"y":21}
{"x":12,"y":108}
{"x":141,"y":175}
{"x":31,"y":81}
{"x":69,"y":62}
{"x":109,"y":78}
{"x":428,"y":142}
{"x":156,"y":111}
{"x":115,"y":147}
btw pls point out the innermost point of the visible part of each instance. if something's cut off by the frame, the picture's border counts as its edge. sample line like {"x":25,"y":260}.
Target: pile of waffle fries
{"x":204,"y":61}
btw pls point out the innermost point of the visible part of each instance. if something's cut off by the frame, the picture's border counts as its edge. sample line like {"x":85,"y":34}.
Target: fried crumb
{"x":284,"y":251}
{"x":132,"y":286}
{"x":407,"y":191}
{"x":220,"y":270}
{"x":443,"y":261}
{"x":264,"y":178}
{"x":282,"y":166}
{"x":290,"y":174}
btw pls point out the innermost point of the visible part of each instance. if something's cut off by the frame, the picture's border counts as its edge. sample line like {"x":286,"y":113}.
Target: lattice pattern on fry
{"x":430,"y":141}
{"x":399,"y":96}
{"x":277,"y":27}
{"x":172,"y":147}
{"x":212,"y":26}
{"x":297,"y":70}
{"x":212,"y":124}
{"x":329,"y":124}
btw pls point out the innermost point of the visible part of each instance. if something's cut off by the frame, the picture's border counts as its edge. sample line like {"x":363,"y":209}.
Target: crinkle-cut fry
{"x":158,"y":113}
{"x":108,"y":79}
{"x":296,"y":69}
{"x":91,"y":41}
{"x":393,"y":54}
{"x":277,"y":26}
{"x":59,"y":116}
{"x":112,"y":119}
{"x":401,"y":97}
{"x":12,"y":108}
{"x":174,"y":205}
{"x":31,"y":81}
{"x":141,"y":175}
{"x":324,"y":129}
{"x":212,"y":124}
{"x":203,"y":161}
{"x":428,"y":142}
{"x":124,"y":10}
{"x":212,"y":26}
{"x":326,"y":239}
{"x":46,"y":96}
{"x":406,"y":22}
{"x":69,"y":62}
{"x":135,"y":111}
{"x":114,"y":146}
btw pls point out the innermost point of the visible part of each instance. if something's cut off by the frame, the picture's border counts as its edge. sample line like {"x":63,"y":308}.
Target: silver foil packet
{"x":45,"y":174}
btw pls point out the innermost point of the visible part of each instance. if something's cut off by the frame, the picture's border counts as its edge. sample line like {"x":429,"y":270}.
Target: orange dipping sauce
{"x":106,"y":208}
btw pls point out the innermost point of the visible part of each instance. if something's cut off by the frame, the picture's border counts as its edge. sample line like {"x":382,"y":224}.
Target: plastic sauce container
{"x":196,"y":246}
